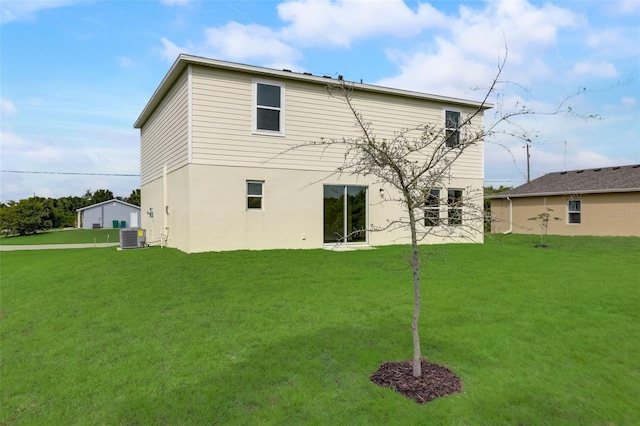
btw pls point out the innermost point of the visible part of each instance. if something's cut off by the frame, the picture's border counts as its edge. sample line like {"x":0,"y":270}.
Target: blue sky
{"x":74,"y":75}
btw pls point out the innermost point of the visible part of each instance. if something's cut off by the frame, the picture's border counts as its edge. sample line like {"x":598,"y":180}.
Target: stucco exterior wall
{"x":614,"y":214}
{"x":168,"y":198}
{"x":208,"y":210}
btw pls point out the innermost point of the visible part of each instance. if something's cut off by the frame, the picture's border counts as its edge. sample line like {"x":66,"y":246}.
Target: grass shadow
{"x":309,"y":379}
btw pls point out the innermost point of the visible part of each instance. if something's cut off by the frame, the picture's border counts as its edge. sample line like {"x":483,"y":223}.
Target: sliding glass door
{"x":345,"y":213}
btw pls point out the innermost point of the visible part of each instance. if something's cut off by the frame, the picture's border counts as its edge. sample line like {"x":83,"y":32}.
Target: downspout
{"x":508,"y":231}
{"x":165,"y":210}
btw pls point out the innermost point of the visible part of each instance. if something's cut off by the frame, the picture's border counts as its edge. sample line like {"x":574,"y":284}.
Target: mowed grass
{"x":156,"y":336}
{"x":65,"y":236}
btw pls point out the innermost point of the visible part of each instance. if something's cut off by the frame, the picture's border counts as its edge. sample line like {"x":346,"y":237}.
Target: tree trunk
{"x":415,"y":265}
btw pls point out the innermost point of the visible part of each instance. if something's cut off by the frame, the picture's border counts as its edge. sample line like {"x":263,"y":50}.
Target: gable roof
{"x":184,"y":60}
{"x":600,"y":180}
{"x":107,"y":202}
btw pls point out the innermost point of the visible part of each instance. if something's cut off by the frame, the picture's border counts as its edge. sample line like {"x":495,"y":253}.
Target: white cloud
{"x":338,"y":23}
{"x":170,"y":51}
{"x":468,"y":55}
{"x":509,"y":166}
{"x":10,"y":141}
{"x":590,"y":160}
{"x":601,"y":69}
{"x":176,"y":2}
{"x":125,"y":62}
{"x":12,"y":10}
{"x":239,"y":42}
{"x":7,"y":107}
{"x":17,"y":150}
{"x":309,"y":23}
{"x":605,"y":39}
{"x":97,"y":150}
{"x":625,"y":7}
{"x":629,"y":102}
{"x":525,"y":28}
{"x":444,"y":73}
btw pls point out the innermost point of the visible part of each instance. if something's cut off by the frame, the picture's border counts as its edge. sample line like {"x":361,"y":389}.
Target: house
{"x":218,"y":171}
{"x":602,"y":201}
{"x":109,"y":214}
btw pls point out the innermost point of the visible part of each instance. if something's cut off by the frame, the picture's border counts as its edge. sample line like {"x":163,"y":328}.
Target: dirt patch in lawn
{"x":436,"y":380}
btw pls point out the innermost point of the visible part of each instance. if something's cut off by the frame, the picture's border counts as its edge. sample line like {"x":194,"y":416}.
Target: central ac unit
{"x":132,"y":238}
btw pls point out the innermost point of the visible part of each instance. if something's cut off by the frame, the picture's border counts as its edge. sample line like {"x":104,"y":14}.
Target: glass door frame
{"x":346,"y":219}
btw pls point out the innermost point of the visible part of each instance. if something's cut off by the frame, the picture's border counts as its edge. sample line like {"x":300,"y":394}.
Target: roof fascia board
{"x":548,"y":194}
{"x":107,"y":202}
{"x":183,"y":60}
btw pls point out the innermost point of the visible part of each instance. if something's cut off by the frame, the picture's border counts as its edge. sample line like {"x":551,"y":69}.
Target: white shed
{"x":109,"y":214}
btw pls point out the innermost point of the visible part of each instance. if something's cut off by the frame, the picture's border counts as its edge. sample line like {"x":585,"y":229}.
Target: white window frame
{"x":345,"y":212}
{"x":250,"y":196}
{"x":451,"y":207}
{"x":433,"y":208}
{"x":446,"y":128}
{"x":578,"y":212}
{"x":255,"y":107}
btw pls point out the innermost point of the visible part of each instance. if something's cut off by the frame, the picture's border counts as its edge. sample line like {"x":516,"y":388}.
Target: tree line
{"x":34,"y":214}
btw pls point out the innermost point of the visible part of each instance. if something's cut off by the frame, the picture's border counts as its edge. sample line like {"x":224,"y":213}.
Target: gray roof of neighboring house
{"x":107,"y":202}
{"x":586,"y":181}
{"x":184,"y":60}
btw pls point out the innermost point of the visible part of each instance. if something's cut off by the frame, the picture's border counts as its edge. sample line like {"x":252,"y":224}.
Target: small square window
{"x":254,"y":195}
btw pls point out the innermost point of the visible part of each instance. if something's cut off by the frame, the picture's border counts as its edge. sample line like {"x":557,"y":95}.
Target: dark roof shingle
{"x":600,"y":180}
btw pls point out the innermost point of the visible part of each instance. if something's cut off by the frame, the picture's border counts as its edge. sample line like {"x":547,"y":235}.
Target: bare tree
{"x":543,"y":219}
{"x":416,"y":162}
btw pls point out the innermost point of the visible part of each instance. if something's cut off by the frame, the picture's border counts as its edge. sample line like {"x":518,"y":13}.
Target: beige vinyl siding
{"x":164,"y":136}
{"x":222,"y":123}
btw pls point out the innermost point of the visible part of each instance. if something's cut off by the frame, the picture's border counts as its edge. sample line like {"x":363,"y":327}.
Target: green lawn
{"x":156,"y":336}
{"x":67,"y":236}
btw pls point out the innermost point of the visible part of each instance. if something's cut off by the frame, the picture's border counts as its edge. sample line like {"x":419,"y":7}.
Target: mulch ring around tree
{"x":436,"y":380}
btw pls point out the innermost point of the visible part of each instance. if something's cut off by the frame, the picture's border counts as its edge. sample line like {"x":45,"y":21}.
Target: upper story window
{"x":268,"y":108}
{"x":575,"y":210}
{"x":452,"y":129}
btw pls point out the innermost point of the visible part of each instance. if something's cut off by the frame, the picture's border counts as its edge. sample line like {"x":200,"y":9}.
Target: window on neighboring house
{"x":574,"y":208}
{"x":269,"y":108}
{"x":432,"y":208}
{"x":454,"y":206}
{"x":254,"y":194}
{"x":452,"y":129}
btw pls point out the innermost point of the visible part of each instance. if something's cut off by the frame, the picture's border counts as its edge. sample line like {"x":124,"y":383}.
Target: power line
{"x":69,"y":173}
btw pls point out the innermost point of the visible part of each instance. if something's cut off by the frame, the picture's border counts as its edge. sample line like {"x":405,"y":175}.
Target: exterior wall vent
{"x":132,"y":238}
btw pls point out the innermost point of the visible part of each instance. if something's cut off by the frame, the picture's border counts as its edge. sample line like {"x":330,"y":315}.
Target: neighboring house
{"x":218,"y":172}
{"x":602,"y":201}
{"x":107,"y":213}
